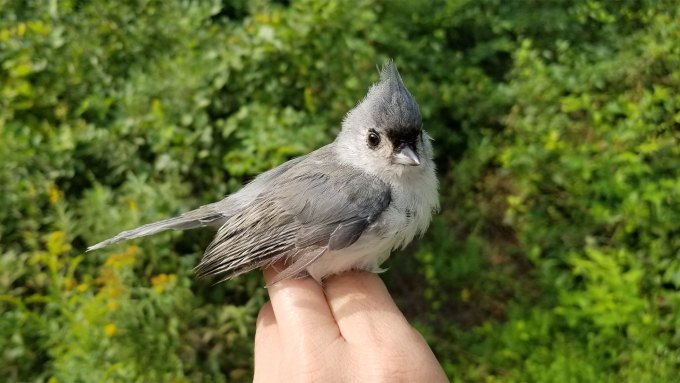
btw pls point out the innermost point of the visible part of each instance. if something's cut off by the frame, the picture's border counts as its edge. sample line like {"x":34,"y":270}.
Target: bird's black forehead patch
{"x":403,"y":135}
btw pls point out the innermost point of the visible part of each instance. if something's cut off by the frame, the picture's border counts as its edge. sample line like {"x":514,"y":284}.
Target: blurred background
{"x":556,"y":124}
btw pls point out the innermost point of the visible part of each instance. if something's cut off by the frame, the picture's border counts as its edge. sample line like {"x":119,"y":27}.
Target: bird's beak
{"x":406,"y":155}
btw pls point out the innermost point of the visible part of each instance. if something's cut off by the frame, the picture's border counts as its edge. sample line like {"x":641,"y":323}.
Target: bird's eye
{"x":373,"y":139}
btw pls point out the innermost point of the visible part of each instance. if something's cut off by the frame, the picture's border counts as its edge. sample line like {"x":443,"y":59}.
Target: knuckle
{"x":264,"y":314}
{"x":398,"y":359}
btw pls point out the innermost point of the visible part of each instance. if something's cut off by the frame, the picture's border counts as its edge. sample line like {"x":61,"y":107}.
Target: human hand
{"x":348,"y":331}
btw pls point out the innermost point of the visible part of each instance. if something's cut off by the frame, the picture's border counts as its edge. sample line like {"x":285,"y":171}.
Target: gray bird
{"x":344,"y":206}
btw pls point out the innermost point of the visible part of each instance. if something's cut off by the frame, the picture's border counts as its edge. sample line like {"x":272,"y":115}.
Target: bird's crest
{"x":390,"y":104}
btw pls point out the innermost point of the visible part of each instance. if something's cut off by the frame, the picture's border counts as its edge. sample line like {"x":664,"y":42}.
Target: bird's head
{"x":384,"y":131}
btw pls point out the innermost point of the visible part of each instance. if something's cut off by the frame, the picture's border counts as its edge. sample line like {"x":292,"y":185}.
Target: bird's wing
{"x":315,"y":206}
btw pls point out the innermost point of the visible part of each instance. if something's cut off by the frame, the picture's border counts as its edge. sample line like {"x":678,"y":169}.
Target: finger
{"x":267,"y":337}
{"x":267,"y":345}
{"x":363,"y":308}
{"x":301,"y":310}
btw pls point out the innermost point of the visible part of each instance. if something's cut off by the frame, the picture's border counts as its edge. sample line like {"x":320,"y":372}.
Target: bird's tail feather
{"x":203,"y":216}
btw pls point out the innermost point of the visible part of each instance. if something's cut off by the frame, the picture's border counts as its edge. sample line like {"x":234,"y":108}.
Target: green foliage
{"x":555,"y":257}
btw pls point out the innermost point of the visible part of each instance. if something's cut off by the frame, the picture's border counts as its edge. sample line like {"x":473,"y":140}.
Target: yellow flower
{"x":69,"y":282}
{"x":126,"y":258}
{"x":110,"y":329}
{"x":132,"y":205}
{"x":54,"y":194}
{"x":157,"y":108}
{"x":160,"y":281}
{"x":262,"y":18}
{"x":465,"y":295}
{"x":55,"y":243}
{"x":111,"y":284}
{"x":82,"y":287}
{"x":108,"y":276}
{"x":112,"y":306}
{"x":113,"y":291}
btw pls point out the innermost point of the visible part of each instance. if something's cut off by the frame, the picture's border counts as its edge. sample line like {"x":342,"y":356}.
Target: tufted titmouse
{"x":344,"y":206}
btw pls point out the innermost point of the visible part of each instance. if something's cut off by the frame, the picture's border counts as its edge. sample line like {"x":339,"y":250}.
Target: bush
{"x":555,"y":257}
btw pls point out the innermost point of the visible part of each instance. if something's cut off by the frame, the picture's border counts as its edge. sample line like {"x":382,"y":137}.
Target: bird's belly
{"x":393,"y":230}
{"x":408,"y":215}
{"x":367,"y":253}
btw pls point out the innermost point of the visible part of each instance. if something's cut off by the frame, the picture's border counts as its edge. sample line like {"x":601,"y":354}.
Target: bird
{"x":345,"y":206}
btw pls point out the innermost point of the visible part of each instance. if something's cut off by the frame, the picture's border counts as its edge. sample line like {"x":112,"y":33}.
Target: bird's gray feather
{"x":316,"y":205}
{"x":301,"y":259}
{"x":214,"y":214}
{"x":203,"y":216}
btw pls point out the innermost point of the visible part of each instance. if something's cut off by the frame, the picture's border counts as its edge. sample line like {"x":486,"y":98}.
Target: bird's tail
{"x":204,"y":216}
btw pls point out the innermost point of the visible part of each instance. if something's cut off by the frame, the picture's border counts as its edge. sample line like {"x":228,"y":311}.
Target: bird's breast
{"x":413,"y":201}
{"x":414,"y":198}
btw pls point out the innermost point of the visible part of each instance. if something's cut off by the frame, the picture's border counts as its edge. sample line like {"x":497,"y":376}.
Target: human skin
{"x":349,"y":330}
